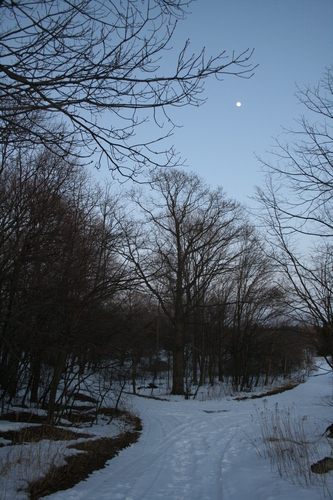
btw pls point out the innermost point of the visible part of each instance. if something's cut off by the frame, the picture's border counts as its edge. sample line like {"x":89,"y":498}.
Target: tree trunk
{"x":134,"y":374}
{"x":178,"y":360}
{"x":58,"y":371}
{"x":35,"y":377}
{"x":194,"y":360}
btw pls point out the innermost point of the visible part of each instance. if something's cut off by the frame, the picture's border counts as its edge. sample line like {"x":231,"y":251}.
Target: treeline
{"x":89,"y":287}
{"x":59,"y":274}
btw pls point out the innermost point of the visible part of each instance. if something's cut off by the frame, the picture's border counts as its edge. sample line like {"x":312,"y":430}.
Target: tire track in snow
{"x":173,"y":446}
{"x":198,"y":451}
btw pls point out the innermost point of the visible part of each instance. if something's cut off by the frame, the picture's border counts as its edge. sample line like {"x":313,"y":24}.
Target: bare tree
{"x":255,"y":304}
{"x":183,"y":241}
{"x":298,"y":210}
{"x":91,"y":73}
{"x":58,"y":265}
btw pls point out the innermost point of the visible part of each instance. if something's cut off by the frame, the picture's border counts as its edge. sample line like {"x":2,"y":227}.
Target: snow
{"x":197,"y":450}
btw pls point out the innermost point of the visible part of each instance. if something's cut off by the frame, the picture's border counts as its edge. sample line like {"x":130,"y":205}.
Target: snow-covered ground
{"x":196,"y":450}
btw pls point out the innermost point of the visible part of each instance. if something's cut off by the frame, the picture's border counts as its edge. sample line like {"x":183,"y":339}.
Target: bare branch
{"x":97,"y":67}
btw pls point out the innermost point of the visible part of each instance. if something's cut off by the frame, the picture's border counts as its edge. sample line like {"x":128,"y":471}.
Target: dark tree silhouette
{"x":297,"y":201}
{"x":184,"y":240}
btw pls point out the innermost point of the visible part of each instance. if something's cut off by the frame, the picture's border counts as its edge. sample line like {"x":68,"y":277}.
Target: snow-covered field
{"x":196,"y":450}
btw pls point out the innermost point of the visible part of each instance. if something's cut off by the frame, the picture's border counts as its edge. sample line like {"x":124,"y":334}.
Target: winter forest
{"x":152,"y":273}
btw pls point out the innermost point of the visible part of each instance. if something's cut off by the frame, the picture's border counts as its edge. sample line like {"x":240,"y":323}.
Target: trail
{"x":191,"y":450}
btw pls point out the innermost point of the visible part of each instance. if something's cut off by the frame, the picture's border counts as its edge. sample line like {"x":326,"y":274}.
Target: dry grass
{"x":28,"y":458}
{"x":290,"y":443}
{"x":79,"y":467}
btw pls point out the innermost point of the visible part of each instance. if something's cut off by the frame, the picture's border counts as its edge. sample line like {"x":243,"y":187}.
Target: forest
{"x":163,"y":274}
{"x":180,"y":282}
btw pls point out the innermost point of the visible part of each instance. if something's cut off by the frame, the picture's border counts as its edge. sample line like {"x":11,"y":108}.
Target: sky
{"x":293,"y":42}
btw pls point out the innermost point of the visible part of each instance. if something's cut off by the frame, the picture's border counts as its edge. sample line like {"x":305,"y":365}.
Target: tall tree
{"x":255,"y":303}
{"x":297,"y":210}
{"x":183,"y":240}
{"x":97,"y":68}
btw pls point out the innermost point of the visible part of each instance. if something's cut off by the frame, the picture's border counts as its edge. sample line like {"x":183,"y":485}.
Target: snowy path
{"x":200,"y":451}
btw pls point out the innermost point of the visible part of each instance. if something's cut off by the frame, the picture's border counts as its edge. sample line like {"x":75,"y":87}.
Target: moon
{"x":238,"y":104}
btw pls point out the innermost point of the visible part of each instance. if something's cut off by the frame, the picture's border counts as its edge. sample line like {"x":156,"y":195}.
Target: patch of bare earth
{"x":278,"y":390}
{"x":96,"y":452}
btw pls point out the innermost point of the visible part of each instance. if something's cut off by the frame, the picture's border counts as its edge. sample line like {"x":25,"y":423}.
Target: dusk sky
{"x":293,"y":42}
